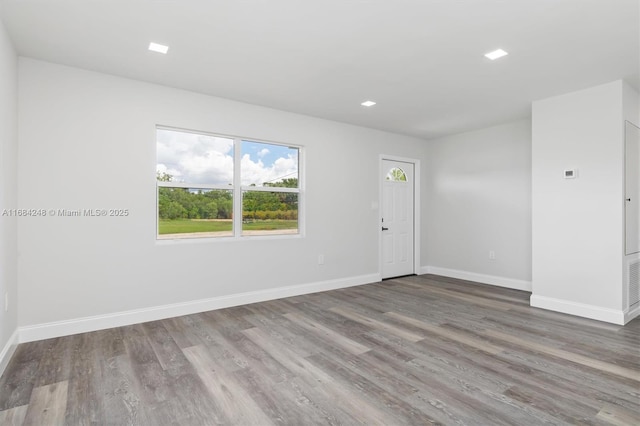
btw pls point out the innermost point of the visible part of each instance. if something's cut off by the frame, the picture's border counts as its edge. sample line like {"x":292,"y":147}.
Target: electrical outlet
{"x":321,"y":259}
{"x":492,"y":255}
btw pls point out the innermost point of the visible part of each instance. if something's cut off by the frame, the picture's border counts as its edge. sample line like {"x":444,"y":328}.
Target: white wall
{"x":87,"y":140}
{"x":8,"y":194}
{"x":478,"y":199}
{"x":631,"y":104}
{"x":577,"y":223}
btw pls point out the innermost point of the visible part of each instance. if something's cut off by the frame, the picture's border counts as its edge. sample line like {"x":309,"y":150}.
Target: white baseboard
{"x":100,"y":322}
{"x":481,"y":278}
{"x":579,"y":309}
{"x":8,"y":350}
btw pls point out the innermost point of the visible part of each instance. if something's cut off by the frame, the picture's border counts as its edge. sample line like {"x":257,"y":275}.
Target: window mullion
{"x":237,"y":188}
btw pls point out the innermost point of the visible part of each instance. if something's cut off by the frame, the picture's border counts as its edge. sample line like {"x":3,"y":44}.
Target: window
{"x":396,"y":175}
{"x":217,"y":186}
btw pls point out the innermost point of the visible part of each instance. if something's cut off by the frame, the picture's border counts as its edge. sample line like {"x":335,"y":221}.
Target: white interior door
{"x":397,"y":225}
{"x":632,"y":188}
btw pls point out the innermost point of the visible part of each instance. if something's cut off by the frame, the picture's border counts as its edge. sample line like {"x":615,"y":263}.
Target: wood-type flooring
{"x":416,"y":350}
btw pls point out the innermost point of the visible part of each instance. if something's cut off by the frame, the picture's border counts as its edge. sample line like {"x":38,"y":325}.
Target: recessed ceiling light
{"x":160,"y":48}
{"x":368,"y":103}
{"x":496,"y":54}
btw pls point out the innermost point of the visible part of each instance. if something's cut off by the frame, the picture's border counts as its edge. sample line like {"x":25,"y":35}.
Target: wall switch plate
{"x":321,"y":259}
{"x":492,"y":255}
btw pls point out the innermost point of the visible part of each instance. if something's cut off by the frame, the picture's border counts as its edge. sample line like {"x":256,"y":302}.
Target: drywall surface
{"x":87,"y":141}
{"x":478,"y":203}
{"x":577,"y":223}
{"x":631,"y":104}
{"x":8,"y":188}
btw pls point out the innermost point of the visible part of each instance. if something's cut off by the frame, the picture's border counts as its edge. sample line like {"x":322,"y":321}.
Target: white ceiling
{"x":421,"y":60}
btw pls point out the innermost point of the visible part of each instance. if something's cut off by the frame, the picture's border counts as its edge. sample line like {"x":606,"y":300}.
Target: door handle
{"x":628,"y":199}
{"x":385,"y":229}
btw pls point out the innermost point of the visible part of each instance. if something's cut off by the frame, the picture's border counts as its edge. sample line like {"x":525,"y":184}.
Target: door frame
{"x":627,"y":138}
{"x":416,"y":210}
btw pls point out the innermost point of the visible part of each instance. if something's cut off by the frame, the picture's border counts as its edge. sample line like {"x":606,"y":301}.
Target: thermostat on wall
{"x":571,"y":173}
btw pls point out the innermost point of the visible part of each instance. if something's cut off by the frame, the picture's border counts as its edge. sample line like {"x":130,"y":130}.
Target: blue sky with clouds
{"x":205,"y":159}
{"x":277,"y":158}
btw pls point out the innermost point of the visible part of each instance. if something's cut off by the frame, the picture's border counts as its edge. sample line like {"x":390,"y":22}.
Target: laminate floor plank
{"x":110,"y":342}
{"x":257,"y":358}
{"x":555,"y":335}
{"x":165,"y":349}
{"x":620,"y":357}
{"x":557,"y":408}
{"x":289,"y":359}
{"x":407,"y":351}
{"x":463,"y":371}
{"x":448,"y":333}
{"x":389,"y":406}
{"x":515,"y":297}
{"x":227,"y":320}
{"x":378,"y":325}
{"x":277,"y":401}
{"x":120,"y":399}
{"x":286,"y":396}
{"x":623,"y":372}
{"x":556,"y":374}
{"x":146,"y":376}
{"x":351,"y":330}
{"x":277,"y":330}
{"x":394,"y":347}
{"x":180,"y":332}
{"x":179,"y":395}
{"x":344,"y":326}
{"x":84,"y":389}
{"x":48,"y":405}
{"x":452,"y":390}
{"x":331,"y":336}
{"x":475,"y":383}
{"x":618,"y":416}
{"x":233,"y":402}
{"x":210,"y":335}
{"x":489,"y":304}
{"x":558,"y":377}
{"x":337,"y":406}
{"x":447,"y":389}
{"x":21,"y":374}
{"x":14,"y":416}
{"x":428,"y":390}
{"x":55,"y":365}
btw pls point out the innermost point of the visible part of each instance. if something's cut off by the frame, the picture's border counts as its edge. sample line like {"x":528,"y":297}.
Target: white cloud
{"x":257,"y":173}
{"x":203,"y":159}
{"x":194,"y":158}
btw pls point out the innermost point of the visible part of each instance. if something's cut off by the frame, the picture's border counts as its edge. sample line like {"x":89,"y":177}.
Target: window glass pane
{"x":196,"y":174}
{"x":266,"y":164}
{"x":397,"y":175}
{"x":194,"y":158}
{"x":194,"y":213}
{"x":268,"y":213}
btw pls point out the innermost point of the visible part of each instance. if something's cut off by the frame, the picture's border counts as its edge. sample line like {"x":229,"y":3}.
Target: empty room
{"x":265,"y":212}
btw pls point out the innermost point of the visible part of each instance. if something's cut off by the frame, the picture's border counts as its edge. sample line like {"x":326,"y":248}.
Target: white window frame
{"x":237,"y":189}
